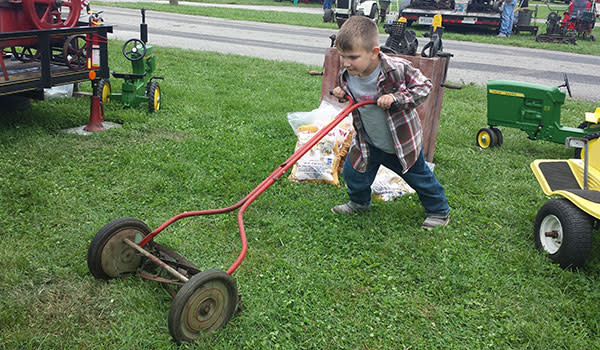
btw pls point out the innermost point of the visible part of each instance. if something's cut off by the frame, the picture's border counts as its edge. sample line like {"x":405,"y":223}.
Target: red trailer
{"x":43,"y":43}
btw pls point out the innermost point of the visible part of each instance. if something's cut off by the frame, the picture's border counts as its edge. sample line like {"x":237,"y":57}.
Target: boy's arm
{"x":415,"y":90}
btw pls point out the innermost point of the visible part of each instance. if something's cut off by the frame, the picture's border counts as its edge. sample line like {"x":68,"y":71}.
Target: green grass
{"x":313,"y":3}
{"x":312,"y":20}
{"x":311,"y":279}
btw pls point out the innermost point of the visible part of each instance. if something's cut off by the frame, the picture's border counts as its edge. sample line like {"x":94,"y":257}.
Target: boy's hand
{"x":385,"y":101}
{"x":340,"y":94}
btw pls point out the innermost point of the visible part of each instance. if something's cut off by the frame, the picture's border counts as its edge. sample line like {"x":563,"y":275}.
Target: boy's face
{"x":360,"y":61}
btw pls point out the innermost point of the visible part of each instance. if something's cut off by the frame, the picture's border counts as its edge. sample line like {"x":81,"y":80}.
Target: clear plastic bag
{"x":321,"y":163}
{"x":388,"y":185}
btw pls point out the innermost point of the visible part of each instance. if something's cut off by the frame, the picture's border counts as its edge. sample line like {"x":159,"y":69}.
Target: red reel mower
{"x":206,"y":300}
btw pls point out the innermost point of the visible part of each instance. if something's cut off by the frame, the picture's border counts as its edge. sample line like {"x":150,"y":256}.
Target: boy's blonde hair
{"x":357,"y":31}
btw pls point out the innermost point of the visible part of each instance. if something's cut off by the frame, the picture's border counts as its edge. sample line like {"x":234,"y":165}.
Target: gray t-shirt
{"x":372,"y":116}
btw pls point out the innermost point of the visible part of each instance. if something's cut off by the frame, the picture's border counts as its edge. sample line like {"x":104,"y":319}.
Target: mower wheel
{"x":204,"y":304}
{"x":153,"y":93}
{"x":564,"y":232}
{"x":104,"y":90}
{"x":486,"y":138}
{"x":108,"y":256}
{"x":499,"y":137}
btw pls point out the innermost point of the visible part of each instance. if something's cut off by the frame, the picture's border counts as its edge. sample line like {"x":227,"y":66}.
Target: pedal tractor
{"x":138,"y":86}
{"x":532,"y":108}
{"x":564,"y":227}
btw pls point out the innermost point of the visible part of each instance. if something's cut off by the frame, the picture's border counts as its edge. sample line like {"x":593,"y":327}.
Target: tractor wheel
{"x":563,"y":232}
{"x":108,"y":256}
{"x":154,"y":98}
{"x":104,"y":90}
{"x":499,"y":137}
{"x":486,"y":138}
{"x":204,"y":304}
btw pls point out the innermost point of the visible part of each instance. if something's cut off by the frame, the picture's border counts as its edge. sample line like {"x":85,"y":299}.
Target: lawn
{"x":312,"y":20}
{"x":311,"y":279}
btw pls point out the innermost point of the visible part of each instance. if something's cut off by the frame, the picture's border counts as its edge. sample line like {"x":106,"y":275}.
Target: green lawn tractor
{"x":564,"y":226}
{"x":139,"y":86}
{"x":532,"y":108}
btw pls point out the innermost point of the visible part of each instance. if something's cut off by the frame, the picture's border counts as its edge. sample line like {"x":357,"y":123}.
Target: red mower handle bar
{"x":258,"y":190}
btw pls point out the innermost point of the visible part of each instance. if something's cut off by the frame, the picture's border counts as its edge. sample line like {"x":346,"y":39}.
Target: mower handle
{"x":347,"y":97}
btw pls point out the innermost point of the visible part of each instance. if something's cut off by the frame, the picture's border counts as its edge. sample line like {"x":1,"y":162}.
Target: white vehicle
{"x":346,"y":8}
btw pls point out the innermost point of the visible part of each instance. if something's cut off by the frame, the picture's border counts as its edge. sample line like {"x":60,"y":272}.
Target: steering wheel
{"x":566,"y":84}
{"x":134,"y":49}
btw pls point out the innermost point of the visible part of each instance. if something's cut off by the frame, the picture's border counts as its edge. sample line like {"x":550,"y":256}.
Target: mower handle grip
{"x":394,"y":104}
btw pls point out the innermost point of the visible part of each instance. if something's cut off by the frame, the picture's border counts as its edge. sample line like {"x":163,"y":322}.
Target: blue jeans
{"x":506,"y":25}
{"x":419,"y":177}
{"x":327,"y":4}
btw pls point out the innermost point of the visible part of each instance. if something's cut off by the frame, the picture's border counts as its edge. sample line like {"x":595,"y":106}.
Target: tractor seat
{"x":128,"y":76}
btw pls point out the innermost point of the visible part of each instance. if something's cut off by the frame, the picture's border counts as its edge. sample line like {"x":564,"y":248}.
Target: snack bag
{"x":388,"y":185}
{"x":320,"y":164}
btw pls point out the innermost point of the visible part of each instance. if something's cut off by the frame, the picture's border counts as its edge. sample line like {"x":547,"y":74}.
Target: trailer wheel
{"x":564,"y":232}
{"x":75,"y":52}
{"x":204,"y":304}
{"x":104,"y":90}
{"x":154,"y":96}
{"x":25,"y":53}
{"x":486,"y":138}
{"x":108,"y":256}
{"x":499,"y":137}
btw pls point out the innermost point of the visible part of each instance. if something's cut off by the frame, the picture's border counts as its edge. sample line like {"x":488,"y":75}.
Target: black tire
{"x":103,"y":89}
{"x":499,"y":137}
{"x":374,"y":12}
{"x":204,"y":304}
{"x":108,"y":257}
{"x":486,"y":138}
{"x":328,"y":16}
{"x":154,"y":96}
{"x":570,"y":240}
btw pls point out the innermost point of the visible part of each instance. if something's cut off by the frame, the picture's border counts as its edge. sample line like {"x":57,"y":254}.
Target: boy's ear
{"x":375,"y":51}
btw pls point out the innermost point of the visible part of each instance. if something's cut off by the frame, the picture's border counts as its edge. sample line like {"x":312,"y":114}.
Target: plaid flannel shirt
{"x":410,"y":88}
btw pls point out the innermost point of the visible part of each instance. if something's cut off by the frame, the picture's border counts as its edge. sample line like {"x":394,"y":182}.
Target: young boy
{"x":385,"y":135}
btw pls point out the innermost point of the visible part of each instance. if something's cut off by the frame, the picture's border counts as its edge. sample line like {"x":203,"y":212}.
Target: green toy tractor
{"x":532,"y":108}
{"x":138,"y":87}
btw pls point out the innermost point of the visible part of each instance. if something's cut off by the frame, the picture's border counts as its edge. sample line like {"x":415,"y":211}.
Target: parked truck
{"x":476,"y":13}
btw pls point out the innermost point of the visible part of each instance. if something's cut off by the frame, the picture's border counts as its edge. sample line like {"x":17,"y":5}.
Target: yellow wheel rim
{"x":157,"y":99}
{"x":484,"y":139}
{"x":106,"y":93}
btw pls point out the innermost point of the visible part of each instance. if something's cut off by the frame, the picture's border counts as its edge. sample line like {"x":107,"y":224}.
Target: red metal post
{"x":96,"y":115}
